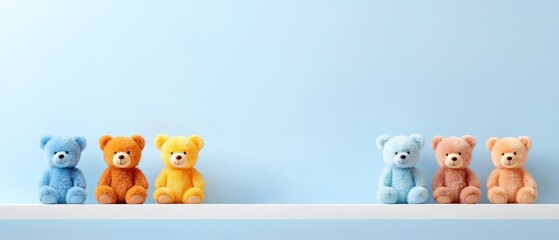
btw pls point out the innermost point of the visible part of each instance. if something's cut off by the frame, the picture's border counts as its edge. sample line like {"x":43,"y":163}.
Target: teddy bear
{"x":122,"y":181}
{"x":179,"y":182}
{"x":401,"y":181}
{"x":455,"y":182}
{"x":63,"y":182}
{"x":510,"y":182}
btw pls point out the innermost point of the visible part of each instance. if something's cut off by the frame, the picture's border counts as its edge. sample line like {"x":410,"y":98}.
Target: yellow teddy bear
{"x":180,"y":182}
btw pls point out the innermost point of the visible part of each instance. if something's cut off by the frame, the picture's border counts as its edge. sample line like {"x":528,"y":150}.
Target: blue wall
{"x":289,"y":96}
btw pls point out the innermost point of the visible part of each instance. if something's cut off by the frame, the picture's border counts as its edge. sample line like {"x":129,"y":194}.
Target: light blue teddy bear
{"x":63,"y":182}
{"x":401,"y":181}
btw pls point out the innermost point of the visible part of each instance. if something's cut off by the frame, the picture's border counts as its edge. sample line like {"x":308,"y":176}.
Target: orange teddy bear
{"x":122,"y":181}
{"x":510,"y":182}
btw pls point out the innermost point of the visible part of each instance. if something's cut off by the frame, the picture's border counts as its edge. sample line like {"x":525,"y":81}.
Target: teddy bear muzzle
{"x":401,"y":158}
{"x":509,"y":160}
{"x":454,"y":160}
{"x":178,"y":160}
{"x":121,"y":159}
{"x":60,"y":159}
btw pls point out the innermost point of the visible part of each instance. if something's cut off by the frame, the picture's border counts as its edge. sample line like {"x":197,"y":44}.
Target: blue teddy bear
{"x":63,"y":182}
{"x":401,"y":181}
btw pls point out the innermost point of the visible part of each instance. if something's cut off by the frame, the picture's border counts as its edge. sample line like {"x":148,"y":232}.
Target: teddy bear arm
{"x":161,"y":180}
{"x":385,"y":178}
{"x":105,"y":178}
{"x":493,"y":180}
{"x":140,"y":179}
{"x":418,"y":178}
{"x":472,"y":178}
{"x":438,"y":180}
{"x":45,"y":181}
{"x":529,"y":180}
{"x":197,"y":179}
{"x":78,"y":178}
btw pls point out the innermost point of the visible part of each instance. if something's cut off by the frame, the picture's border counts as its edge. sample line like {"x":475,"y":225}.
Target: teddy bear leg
{"x":105,"y":194}
{"x":387,"y":195}
{"x":442,"y":195}
{"x":497,"y":195}
{"x":418,"y":195}
{"x":470,"y":195}
{"x":526,"y":195}
{"x":193,"y":195}
{"x":76,"y":195}
{"x":49,"y":195}
{"x":164,"y":195}
{"x":136,"y":195}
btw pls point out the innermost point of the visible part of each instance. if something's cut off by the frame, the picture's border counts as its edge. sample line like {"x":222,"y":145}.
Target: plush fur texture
{"x":401,"y":181}
{"x":63,"y":182}
{"x":455,"y":182}
{"x":179,"y":182}
{"x":122,"y":181}
{"x":510,"y":182}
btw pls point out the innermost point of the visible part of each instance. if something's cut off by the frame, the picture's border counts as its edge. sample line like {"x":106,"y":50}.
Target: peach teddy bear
{"x":510,"y":182}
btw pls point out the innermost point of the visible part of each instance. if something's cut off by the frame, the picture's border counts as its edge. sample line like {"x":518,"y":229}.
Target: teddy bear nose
{"x":121,"y":157}
{"x":509,"y":158}
{"x":61,"y":156}
{"x":179,"y":157}
{"x":454,"y":158}
{"x":403,"y":156}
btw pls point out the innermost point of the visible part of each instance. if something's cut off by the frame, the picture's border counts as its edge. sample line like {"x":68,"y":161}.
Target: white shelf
{"x":280,"y":211}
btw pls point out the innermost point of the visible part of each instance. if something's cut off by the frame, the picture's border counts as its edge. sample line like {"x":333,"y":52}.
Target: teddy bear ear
{"x":45,"y":140}
{"x":436,"y":140}
{"x":81,"y":141}
{"x":198,"y":141}
{"x":104,"y":140}
{"x":160,"y":140}
{"x":490,"y":143}
{"x":417,"y":138}
{"x":139,"y":140}
{"x":470,"y":140}
{"x":381,"y":140}
{"x":526,"y":141}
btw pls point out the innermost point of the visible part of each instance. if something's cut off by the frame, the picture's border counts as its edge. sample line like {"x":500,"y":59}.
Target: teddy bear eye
{"x":66,"y":152}
{"x":128,"y":152}
{"x":502,"y":154}
{"x":55,"y":153}
{"x":396,"y":153}
{"x":408,"y":152}
{"x":171,"y":153}
{"x":459,"y":153}
{"x":185,"y":153}
{"x":447,"y":154}
{"x":115,"y":152}
{"x":514,"y":153}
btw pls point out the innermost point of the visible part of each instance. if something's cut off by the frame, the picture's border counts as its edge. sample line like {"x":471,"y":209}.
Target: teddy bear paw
{"x":527,"y":199}
{"x":499,"y":199}
{"x":471,"y":199}
{"x":76,"y":200}
{"x":387,"y":195}
{"x":164,"y":199}
{"x":418,"y":195}
{"x":48,"y":199}
{"x":105,"y":199}
{"x":443,"y":199}
{"x":194,"y":200}
{"x":137,"y":199}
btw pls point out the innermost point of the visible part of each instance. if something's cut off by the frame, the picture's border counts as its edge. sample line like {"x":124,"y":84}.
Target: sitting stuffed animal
{"x":180,"y":182}
{"x":63,"y":182}
{"x":401,"y":181}
{"x":122,"y":181}
{"x":510,"y":182}
{"x":455,"y":182}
